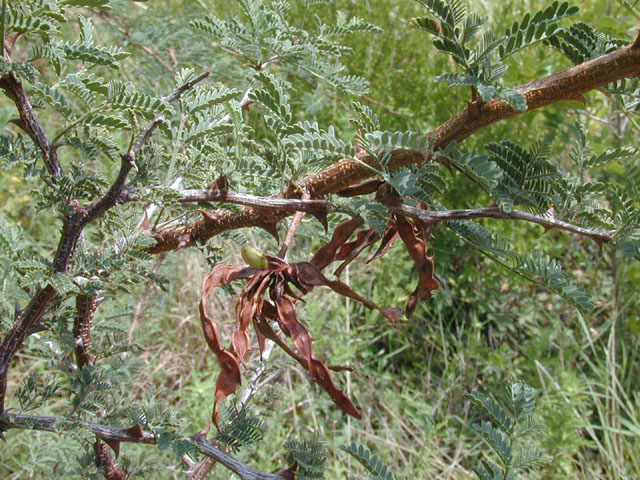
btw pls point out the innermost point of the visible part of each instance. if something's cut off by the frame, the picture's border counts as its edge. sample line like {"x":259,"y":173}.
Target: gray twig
{"x":118,"y":434}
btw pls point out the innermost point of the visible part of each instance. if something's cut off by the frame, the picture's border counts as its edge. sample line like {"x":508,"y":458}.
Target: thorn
{"x":272,"y":229}
{"x":221,"y":186}
{"x":289,"y":473}
{"x":636,"y":43}
{"x":209,"y":216}
{"x":578,"y":98}
{"x":132,"y":161}
{"x":115,"y":446}
{"x":19,"y":123}
{"x":144,"y":224}
{"x":474,"y":109}
{"x":134,"y":431}
{"x":201,"y":436}
{"x":322,"y":218}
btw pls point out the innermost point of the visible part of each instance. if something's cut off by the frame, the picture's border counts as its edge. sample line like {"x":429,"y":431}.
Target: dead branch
{"x":85,"y":310}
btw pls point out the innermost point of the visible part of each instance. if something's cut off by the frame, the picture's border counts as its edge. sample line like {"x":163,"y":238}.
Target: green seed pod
{"x":254,"y":258}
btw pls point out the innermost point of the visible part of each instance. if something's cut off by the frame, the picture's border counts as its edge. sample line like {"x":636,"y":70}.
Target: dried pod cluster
{"x":268,"y":296}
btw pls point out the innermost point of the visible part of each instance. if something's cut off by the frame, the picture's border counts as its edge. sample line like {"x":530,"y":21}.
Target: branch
{"x":116,"y":434}
{"x":82,"y":323}
{"x":73,"y":225}
{"x":31,"y":125}
{"x":253,"y":201}
{"x":177,"y":93}
{"x":85,"y":311}
{"x":291,"y":233}
{"x":427,"y":216}
{"x":569,"y":84}
{"x":435,"y":216}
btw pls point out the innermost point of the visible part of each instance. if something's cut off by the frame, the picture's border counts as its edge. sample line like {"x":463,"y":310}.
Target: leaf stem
{"x":2,"y":26}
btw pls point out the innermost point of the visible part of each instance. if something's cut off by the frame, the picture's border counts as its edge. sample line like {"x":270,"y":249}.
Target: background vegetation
{"x":484,"y":326}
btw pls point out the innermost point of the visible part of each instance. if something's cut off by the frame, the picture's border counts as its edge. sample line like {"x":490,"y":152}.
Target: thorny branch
{"x":85,"y":311}
{"x":548,"y":222}
{"x":116,"y":435}
{"x":570,"y":84}
{"x":427,"y":216}
{"x":73,"y":225}
{"x":31,"y":125}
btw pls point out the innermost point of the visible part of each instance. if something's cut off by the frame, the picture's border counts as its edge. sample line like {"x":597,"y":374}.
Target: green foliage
{"x":314,"y":139}
{"x":398,"y":140}
{"x":509,"y":423}
{"x":534,"y":28}
{"x":239,"y":429}
{"x":581,"y":42}
{"x":31,"y":395}
{"x":455,"y":29}
{"x":268,"y":34}
{"x":310,"y":457}
{"x":369,"y":461}
{"x":529,"y":179}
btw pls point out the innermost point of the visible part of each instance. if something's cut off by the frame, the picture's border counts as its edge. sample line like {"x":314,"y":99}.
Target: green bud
{"x":254,"y":258}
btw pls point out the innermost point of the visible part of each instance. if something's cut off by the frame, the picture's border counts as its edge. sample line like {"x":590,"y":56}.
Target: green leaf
{"x":512,"y":98}
{"x":498,"y":440}
{"x":399,"y":140}
{"x":140,"y":103}
{"x":106,"y":120}
{"x":532,"y":29}
{"x":369,"y":461}
{"x":319,"y":141}
{"x":99,"y":4}
{"x":493,"y":409}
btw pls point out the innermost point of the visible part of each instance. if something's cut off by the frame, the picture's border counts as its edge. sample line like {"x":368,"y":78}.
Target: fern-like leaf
{"x":532,"y":29}
{"x":369,"y":461}
{"x":397,"y":140}
{"x":493,"y":409}
{"x":498,"y":440}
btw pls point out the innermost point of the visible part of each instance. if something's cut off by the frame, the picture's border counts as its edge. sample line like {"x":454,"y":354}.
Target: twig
{"x":376,"y":102}
{"x":116,"y":434}
{"x":254,"y":201}
{"x":144,"y":48}
{"x":31,"y":125}
{"x":253,"y":386}
{"x":2,"y":25}
{"x":291,"y":233}
{"x":177,"y":93}
{"x":200,"y":470}
{"x":434,"y":216}
{"x":144,"y":298}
